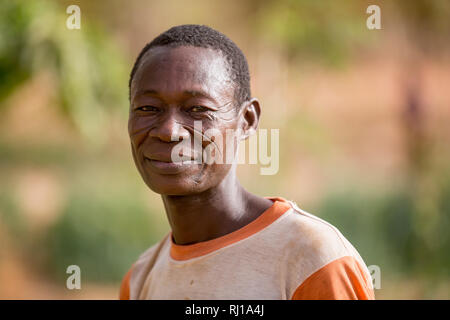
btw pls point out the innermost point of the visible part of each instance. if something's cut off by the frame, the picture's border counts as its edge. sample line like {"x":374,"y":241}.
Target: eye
{"x":198,"y":109}
{"x":148,"y":109}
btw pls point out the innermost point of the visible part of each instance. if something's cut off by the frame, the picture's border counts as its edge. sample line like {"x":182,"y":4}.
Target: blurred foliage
{"x":102,"y":234}
{"x":326,"y":31}
{"x":88,"y":69}
{"x":427,"y":23}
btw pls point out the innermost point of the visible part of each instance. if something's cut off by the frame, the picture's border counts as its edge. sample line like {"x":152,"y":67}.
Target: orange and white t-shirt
{"x":285,"y":253}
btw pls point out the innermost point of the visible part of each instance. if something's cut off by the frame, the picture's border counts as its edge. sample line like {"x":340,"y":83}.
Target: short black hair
{"x":205,"y":37}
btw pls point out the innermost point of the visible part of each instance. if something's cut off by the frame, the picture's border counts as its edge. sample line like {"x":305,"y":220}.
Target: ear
{"x":250,"y":113}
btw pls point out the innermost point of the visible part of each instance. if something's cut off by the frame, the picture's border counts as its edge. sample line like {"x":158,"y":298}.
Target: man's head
{"x":189,"y":74}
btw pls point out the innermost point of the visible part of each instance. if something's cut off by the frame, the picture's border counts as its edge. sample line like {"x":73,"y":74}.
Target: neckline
{"x":185,"y":252}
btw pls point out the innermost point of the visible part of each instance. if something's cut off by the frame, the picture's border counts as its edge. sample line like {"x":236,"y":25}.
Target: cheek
{"x":138,"y":128}
{"x":221,"y":145}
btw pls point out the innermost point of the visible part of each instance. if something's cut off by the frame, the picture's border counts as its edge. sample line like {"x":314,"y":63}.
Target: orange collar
{"x":185,"y":252}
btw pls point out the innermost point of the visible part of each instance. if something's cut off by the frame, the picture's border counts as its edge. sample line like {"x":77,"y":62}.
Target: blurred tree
{"x":427,"y":29}
{"x":89,"y":73}
{"x":324,"y":31}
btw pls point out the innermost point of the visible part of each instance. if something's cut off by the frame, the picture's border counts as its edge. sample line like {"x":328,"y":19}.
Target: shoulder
{"x":315,"y":236}
{"x":318,"y":252}
{"x":140,"y":269}
{"x":124,"y":293}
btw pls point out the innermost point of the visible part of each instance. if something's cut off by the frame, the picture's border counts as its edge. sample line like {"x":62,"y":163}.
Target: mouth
{"x":169,"y":167}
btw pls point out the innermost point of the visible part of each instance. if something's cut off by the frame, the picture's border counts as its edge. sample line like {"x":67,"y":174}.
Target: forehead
{"x":185,"y":68}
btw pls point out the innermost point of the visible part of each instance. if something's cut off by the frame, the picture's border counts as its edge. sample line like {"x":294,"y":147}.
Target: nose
{"x":169,"y":128}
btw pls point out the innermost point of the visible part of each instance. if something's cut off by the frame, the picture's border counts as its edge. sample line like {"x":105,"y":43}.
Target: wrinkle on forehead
{"x":211,"y":71}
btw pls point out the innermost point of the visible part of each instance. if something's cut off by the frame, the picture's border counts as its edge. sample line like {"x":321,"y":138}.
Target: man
{"x":225,"y":243}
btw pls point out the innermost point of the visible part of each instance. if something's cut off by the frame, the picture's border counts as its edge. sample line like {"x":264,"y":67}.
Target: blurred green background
{"x":364,"y":134}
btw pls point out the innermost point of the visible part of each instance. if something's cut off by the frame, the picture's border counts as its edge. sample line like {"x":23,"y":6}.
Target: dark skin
{"x":172,"y":88}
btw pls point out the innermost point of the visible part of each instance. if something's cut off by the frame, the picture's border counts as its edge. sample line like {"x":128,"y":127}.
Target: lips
{"x":163,"y":164}
{"x":167,"y":158}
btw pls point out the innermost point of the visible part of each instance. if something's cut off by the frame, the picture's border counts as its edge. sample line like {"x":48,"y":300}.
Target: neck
{"x":212,"y":213}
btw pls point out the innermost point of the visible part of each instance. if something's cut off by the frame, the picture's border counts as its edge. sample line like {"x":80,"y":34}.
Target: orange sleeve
{"x":342,"y":279}
{"x":125,"y":287}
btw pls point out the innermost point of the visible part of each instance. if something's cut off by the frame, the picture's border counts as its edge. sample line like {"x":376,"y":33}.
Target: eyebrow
{"x":146,"y":92}
{"x":192,"y":93}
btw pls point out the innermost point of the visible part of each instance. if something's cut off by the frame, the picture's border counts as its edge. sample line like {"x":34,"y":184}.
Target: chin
{"x":174,"y":185}
{"x":184,"y":183}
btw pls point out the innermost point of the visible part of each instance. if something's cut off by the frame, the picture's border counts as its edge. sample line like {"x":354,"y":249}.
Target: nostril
{"x":168,"y":135}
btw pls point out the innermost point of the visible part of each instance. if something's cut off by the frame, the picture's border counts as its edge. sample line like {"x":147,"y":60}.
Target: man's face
{"x":173,"y":88}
